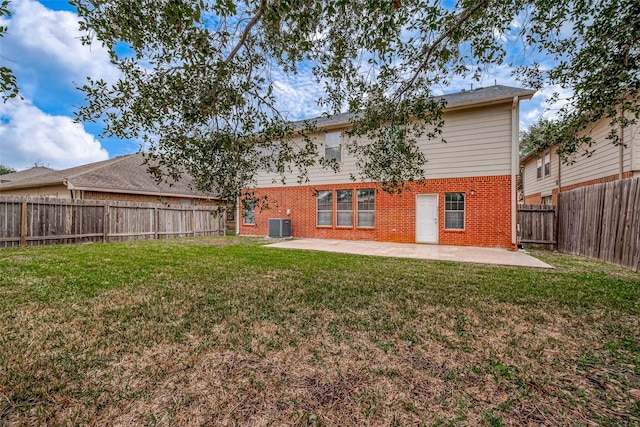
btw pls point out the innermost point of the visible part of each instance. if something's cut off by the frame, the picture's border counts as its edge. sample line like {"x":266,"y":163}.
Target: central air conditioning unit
{"x":279,"y":227}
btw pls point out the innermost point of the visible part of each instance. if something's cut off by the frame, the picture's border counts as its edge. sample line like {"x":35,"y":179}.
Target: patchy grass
{"x":224,"y":331}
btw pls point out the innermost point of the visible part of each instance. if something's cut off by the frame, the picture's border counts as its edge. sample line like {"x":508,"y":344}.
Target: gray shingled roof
{"x":25,"y":174}
{"x":464,"y":98}
{"x":125,"y":174}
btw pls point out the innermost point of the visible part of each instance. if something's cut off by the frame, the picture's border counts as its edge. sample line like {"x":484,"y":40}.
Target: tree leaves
{"x":8,"y":82}
{"x":197,"y":85}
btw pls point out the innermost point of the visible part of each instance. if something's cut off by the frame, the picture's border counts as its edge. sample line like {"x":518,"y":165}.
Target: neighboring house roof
{"x":25,"y":174}
{"x":125,"y":174}
{"x":463,"y":99}
{"x":524,"y":159}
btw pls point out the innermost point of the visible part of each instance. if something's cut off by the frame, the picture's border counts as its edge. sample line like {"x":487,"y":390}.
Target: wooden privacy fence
{"x":27,"y":221}
{"x":537,"y":224}
{"x":602,"y":221}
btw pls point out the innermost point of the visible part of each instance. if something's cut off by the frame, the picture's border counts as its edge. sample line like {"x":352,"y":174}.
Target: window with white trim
{"x":333,"y":146}
{"x":324,"y":208}
{"x":366,"y":207}
{"x":539,"y":167}
{"x":454,"y":211}
{"x":248,"y":213}
{"x":344,"y":208}
{"x":547,"y":163}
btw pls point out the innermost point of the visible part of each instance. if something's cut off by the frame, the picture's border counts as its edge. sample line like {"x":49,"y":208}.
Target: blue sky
{"x":42,"y":46}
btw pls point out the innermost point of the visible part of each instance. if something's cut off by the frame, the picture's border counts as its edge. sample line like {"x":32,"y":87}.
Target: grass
{"x":225,"y":331}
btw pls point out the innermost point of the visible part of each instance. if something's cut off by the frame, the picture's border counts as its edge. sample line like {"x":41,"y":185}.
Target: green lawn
{"x":225,"y":331}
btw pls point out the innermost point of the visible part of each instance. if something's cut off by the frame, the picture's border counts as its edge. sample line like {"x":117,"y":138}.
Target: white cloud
{"x":28,"y":135}
{"x":297,"y":95}
{"x":45,"y":39}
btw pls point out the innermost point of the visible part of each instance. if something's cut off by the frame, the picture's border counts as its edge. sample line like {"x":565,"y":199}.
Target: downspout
{"x":559,"y":176}
{"x":238,"y":217}
{"x":515,"y":124}
{"x":621,"y":151}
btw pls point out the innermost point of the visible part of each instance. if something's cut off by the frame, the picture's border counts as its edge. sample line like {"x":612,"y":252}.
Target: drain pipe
{"x":515,"y":125}
{"x":621,"y":130}
{"x":238,"y":216}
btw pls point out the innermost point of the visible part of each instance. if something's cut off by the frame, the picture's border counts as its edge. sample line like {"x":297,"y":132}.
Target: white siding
{"x":605,"y":161}
{"x":532,"y":184}
{"x":478,"y":143}
{"x":632,"y":139}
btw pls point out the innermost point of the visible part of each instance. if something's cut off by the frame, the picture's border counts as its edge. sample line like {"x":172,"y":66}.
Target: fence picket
{"x":47,"y":221}
{"x":602,"y":221}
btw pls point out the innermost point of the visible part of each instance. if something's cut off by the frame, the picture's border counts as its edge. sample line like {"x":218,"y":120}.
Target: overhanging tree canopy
{"x":7,"y":78}
{"x":196,"y":80}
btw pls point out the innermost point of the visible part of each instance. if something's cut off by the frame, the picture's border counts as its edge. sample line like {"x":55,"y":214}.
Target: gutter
{"x":448,"y":107}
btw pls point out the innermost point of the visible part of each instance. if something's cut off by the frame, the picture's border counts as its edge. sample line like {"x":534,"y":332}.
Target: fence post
{"x":224,"y":222}
{"x":105,"y":223}
{"x":556,"y":215}
{"x":23,"y":225}
{"x":193,"y":221}
{"x":156,"y":220}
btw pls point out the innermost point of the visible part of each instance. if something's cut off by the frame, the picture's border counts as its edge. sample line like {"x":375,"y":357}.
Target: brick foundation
{"x":487,"y":212}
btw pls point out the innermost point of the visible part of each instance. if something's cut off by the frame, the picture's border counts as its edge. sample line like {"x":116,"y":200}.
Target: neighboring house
{"x":123,"y":178}
{"x":28,"y":173}
{"x":469,"y":197}
{"x":544,"y":173}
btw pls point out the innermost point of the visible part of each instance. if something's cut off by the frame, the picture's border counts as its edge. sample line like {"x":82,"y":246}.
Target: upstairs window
{"x":547,"y":163}
{"x":333,"y":146}
{"x":539,"y":167}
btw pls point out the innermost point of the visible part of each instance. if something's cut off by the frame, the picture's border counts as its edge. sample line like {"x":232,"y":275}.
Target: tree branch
{"x":464,"y":17}
{"x":247,"y":30}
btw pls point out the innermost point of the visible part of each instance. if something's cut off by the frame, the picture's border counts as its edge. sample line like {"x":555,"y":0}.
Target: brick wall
{"x":487,"y":212}
{"x":533,"y":199}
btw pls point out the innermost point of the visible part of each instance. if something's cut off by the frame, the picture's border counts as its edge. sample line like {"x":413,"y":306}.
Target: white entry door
{"x":427,"y":218}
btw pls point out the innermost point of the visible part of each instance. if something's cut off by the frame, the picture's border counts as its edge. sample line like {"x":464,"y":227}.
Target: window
{"x":454,"y":211}
{"x":547,"y":163}
{"x":344,"y":200}
{"x":332,"y":146}
{"x":547,"y":200}
{"x":248,"y":213}
{"x":539,"y":167}
{"x":366,"y":207}
{"x":325,"y":208}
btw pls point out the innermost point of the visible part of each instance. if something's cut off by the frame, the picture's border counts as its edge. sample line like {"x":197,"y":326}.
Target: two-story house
{"x":545,"y":174}
{"x":469,"y":196}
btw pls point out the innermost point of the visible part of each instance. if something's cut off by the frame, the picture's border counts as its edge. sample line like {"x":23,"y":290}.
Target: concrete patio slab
{"x":470,"y":254}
